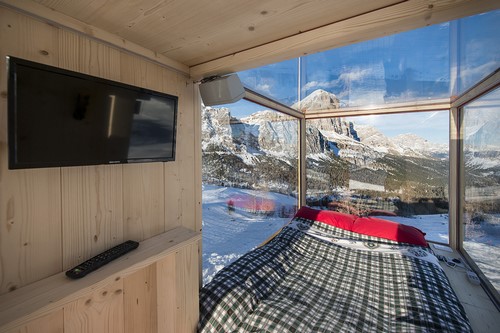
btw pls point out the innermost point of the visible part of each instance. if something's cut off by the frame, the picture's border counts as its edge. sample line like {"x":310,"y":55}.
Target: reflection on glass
{"x":393,"y":166}
{"x":404,"y":67}
{"x":481,"y":158}
{"x":430,"y":63}
{"x":277,"y":81}
{"x":249,"y":165}
{"x":477,"y":51}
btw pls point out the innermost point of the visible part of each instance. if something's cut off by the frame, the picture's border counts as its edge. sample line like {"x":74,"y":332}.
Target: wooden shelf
{"x":48,"y":295}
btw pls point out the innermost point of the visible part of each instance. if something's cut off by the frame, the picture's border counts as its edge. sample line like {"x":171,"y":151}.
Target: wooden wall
{"x":53,"y":218}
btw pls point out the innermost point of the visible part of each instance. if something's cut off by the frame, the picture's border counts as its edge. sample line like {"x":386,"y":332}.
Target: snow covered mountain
{"x":266,"y":141}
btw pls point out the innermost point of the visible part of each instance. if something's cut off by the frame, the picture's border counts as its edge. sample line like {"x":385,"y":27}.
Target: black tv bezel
{"x":12,"y":63}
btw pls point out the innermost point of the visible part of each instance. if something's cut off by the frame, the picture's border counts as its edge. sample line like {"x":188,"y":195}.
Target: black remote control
{"x":101,"y":259}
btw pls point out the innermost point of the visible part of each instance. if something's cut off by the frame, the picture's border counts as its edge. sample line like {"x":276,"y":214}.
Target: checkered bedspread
{"x":302,"y":282}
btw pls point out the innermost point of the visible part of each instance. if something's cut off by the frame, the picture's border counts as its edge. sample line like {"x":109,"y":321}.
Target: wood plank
{"x":44,"y":296}
{"x":143,"y":200}
{"x":180,"y":177}
{"x":100,"y":311}
{"x":143,"y":185}
{"x":80,"y":54}
{"x":197,"y":164}
{"x":30,"y":238}
{"x":92,"y":211}
{"x":187,"y":292}
{"x":178,"y":291}
{"x":166,"y":26}
{"x":403,"y":16}
{"x":25,"y":39}
{"x":51,"y":323}
{"x":175,"y":189}
{"x":45,"y":14}
{"x":140,"y":301}
{"x":166,"y":294}
{"x":137,"y":71}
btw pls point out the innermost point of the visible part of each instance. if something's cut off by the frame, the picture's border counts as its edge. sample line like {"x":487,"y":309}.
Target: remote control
{"x":101,"y":259}
{"x":441,"y":257}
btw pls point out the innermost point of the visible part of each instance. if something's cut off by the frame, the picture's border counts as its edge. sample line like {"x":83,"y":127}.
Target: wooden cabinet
{"x":151,"y":289}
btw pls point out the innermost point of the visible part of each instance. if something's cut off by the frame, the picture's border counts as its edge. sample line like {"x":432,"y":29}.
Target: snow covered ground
{"x":228,"y":234}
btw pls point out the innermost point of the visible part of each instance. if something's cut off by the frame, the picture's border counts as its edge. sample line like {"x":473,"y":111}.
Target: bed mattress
{"x":315,"y":277}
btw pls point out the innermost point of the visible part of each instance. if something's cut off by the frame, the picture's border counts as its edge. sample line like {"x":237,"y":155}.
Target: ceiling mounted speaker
{"x":217,"y":90}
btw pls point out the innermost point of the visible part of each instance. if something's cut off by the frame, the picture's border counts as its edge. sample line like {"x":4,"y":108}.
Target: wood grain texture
{"x":140,"y":301}
{"x":143,"y":200}
{"x":175,"y":29}
{"x":100,"y":311}
{"x":53,"y":218}
{"x":52,"y":293}
{"x":92,"y":211}
{"x":166,"y":294}
{"x":53,"y":18}
{"x":178,"y":290}
{"x":187,"y":275}
{"x":81,"y":54}
{"x":358,"y":27}
{"x":30,"y":234}
{"x":51,"y":323}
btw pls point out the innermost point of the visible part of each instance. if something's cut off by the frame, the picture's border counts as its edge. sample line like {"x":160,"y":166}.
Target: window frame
{"x":457,"y":182}
{"x":454,"y":106}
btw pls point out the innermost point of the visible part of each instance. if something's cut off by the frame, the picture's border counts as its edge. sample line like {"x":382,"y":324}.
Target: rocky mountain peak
{"x":318,"y":100}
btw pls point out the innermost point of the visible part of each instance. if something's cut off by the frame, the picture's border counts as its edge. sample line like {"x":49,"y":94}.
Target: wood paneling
{"x":30,"y":220}
{"x":140,"y":301}
{"x":100,"y":311}
{"x":144,"y":203}
{"x":81,"y":54}
{"x":177,"y":294}
{"x":52,"y":219}
{"x":51,"y":323}
{"x":92,"y":211}
{"x":358,"y":27}
{"x":130,"y":294}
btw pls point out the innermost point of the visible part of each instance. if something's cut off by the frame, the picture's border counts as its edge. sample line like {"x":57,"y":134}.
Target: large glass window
{"x":476,"y":49}
{"x":393,"y":166}
{"x":277,"y":81}
{"x":405,"y":67}
{"x":481,"y":162}
{"x":249,"y":164}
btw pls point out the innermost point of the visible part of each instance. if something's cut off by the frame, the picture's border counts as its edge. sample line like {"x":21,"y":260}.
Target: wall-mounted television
{"x":62,"y":118}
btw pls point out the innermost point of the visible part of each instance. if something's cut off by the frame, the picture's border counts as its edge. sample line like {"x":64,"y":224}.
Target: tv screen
{"x":62,"y":118}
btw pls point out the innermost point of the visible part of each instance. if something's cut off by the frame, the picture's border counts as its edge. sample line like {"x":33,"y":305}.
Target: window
{"x":481,"y":164}
{"x":401,"y":68}
{"x":471,"y":37}
{"x":390,"y":164}
{"x":249,"y":164}
{"x":276,"y":81}
{"x":394,"y":166}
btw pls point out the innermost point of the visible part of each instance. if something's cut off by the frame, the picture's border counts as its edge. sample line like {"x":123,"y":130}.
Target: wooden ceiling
{"x":221,"y":36}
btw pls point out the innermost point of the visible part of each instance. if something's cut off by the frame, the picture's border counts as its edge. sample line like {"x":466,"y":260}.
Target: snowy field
{"x":228,"y":234}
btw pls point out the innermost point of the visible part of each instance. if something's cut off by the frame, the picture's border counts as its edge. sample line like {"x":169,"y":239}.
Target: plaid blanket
{"x":300,"y":282}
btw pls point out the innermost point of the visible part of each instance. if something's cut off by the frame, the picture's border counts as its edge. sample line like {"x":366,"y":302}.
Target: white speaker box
{"x":221,"y":90}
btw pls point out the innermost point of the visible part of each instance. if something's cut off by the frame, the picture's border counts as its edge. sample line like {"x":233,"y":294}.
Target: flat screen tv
{"x":62,"y":118}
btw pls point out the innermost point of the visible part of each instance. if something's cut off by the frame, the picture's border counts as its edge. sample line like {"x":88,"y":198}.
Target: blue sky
{"x":411,"y":66}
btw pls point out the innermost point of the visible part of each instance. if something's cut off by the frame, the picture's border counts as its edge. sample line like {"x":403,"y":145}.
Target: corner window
{"x":249,"y":170}
{"x":481,"y":164}
{"x":393,"y":166}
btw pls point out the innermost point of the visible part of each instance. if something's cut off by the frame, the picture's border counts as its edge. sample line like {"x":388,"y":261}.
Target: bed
{"x":332,"y":272}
